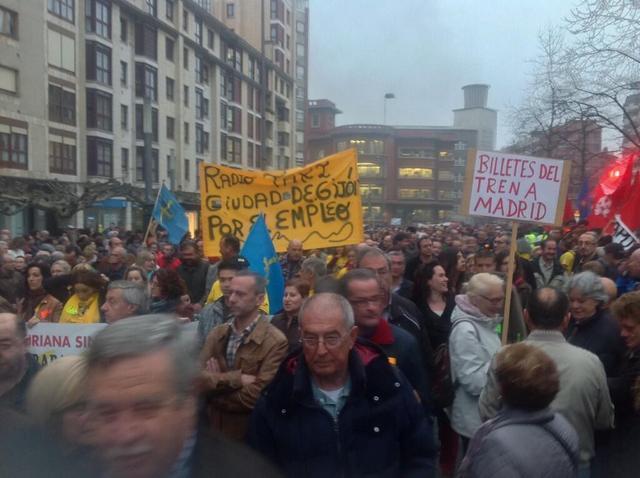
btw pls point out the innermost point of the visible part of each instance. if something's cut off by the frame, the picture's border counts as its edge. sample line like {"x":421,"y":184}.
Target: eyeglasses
{"x":329,"y":341}
{"x":494,"y":301}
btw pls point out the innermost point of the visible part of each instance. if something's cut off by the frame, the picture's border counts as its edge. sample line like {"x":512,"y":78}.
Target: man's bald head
{"x":610,"y":288}
{"x":547,"y":309}
{"x":295,"y":250}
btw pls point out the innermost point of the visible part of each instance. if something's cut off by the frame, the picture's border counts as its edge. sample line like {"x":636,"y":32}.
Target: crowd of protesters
{"x":385,"y":360}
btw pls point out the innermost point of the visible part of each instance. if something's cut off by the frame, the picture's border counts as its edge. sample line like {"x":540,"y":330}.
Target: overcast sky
{"x":424,"y":51}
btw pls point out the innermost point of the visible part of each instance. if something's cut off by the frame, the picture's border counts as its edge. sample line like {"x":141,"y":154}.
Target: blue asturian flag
{"x":171,"y":215}
{"x":258,"y":249}
{"x":583,"y":201}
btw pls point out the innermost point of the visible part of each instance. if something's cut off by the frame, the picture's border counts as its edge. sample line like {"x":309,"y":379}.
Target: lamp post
{"x":387,"y":96}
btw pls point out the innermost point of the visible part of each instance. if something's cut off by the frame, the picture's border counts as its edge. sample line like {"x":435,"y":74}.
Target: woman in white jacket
{"x":472,"y":344}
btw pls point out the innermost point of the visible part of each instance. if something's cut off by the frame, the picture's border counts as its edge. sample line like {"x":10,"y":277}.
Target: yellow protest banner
{"x":318,"y":204}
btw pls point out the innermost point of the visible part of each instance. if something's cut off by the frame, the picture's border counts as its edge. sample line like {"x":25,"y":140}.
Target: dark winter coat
{"x":381,"y":431}
{"x":599,"y":335}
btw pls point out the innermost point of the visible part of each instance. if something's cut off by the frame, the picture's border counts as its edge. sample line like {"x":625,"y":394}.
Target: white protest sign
{"x":515,"y":187}
{"x":50,"y":341}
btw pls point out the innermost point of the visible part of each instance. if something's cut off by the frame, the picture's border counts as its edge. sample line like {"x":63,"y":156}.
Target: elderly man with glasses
{"x":338,"y":407}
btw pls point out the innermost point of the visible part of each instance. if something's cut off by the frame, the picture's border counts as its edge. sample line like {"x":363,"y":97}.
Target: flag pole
{"x":509,"y":288}
{"x":146,"y":234}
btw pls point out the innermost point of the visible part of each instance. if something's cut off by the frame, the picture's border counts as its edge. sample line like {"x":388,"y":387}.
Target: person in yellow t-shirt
{"x":83,"y":307}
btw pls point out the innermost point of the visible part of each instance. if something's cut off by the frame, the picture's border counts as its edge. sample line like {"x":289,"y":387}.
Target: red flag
{"x":568,"y":211}
{"x":630,"y":213}
{"x":611,"y":193}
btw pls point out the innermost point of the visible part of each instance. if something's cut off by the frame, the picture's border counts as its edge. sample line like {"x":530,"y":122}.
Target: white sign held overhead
{"x":515,"y":187}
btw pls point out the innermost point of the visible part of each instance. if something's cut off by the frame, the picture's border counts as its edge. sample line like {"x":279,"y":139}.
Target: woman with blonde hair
{"x":56,"y":402}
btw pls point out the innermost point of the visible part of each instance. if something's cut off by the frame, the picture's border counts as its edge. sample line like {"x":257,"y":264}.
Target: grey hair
{"x":481,"y":282}
{"x":588,"y":285}
{"x":357,"y":275}
{"x":396,"y":254}
{"x":328,"y":300}
{"x":315,"y":265}
{"x":260,"y":286}
{"x":133,"y":294}
{"x":366,"y":251}
{"x":64,"y":264}
{"x":145,"y":334}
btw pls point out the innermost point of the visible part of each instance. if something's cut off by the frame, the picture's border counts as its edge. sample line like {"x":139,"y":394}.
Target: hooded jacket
{"x":472,"y":344}
{"x":381,"y":431}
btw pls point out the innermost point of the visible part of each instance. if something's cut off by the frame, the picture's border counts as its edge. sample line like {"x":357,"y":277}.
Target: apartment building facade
{"x":74,"y":75}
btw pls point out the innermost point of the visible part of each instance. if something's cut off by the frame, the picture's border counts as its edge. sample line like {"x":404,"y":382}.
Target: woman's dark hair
{"x":421,"y":289}
{"x":89,"y":278}
{"x":171,"y":285}
{"x":142,"y":272}
{"x":448,"y":259}
{"x":301,"y":286}
{"x":528,"y":377}
{"x":44,"y":271}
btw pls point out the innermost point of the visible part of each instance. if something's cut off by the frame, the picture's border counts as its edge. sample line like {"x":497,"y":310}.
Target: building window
{"x":169,"y":47}
{"x":202,"y":105}
{"x":185,"y":20}
{"x":124,"y":73}
{"x":99,"y":110}
{"x":300,"y":27}
{"x":61,"y":51}
{"x":371,"y":191}
{"x":185,"y":58}
{"x":230,"y":149}
{"x":123,"y":30}
{"x":146,"y":81}
{"x":13,"y":148}
{"x":155,"y":170}
{"x":62,"y":105}
{"x":124,"y":117}
{"x":170,"y":87}
{"x":198,"y":31}
{"x":152,"y":7}
{"x":210,"y":39}
{"x":422,"y":153}
{"x":230,"y":10}
{"x":98,"y":63}
{"x":98,"y":17}
{"x":250,"y":125}
{"x":315,"y":120}
{"x":168,"y":9}
{"x":446,"y":195}
{"x":62,"y":8}
{"x":202,"y":71}
{"x":202,"y":140}
{"x":8,"y":23}
{"x":371,"y":170}
{"x":418,"y":173}
{"x":187,"y":170}
{"x":185,"y":99}
{"x":146,"y":41}
{"x":99,"y":157}
{"x":364,"y":146}
{"x":414,"y":193}
{"x":445,"y":176}
{"x":62,"y":156}
{"x":124,"y":163}
{"x":233,"y":57}
{"x":171,"y":127}
{"x":186,"y":132}
{"x":8,"y":80}
{"x":140,"y":123}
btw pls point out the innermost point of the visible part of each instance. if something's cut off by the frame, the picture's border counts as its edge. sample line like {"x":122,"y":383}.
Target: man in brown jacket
{"x":240,"y":357}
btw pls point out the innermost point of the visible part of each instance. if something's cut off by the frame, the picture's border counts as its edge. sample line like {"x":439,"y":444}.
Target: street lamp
{"x":387,"y":96}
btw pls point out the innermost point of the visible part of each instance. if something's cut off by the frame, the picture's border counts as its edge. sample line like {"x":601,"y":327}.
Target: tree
{"x":605,"y":65}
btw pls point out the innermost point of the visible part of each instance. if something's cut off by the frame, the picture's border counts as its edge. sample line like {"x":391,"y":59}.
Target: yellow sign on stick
{"x":318,"y":204}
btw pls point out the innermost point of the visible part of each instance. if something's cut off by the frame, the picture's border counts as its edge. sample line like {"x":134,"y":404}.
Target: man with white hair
{"x":124,"y":299}
{"x":472,"y":344}
{"x":142,"y":398}
{"x":629,"y":280}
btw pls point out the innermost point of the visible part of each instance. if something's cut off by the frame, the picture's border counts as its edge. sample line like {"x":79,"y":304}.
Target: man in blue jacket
{"x":338,"y":408}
